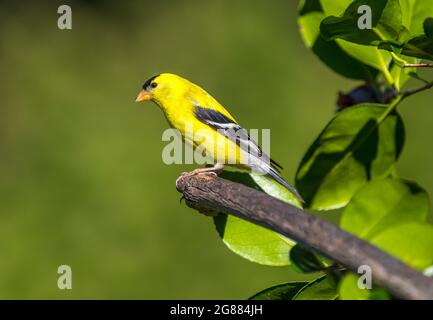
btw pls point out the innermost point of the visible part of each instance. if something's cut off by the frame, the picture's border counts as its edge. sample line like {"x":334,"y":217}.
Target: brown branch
{"x":209,"y":194}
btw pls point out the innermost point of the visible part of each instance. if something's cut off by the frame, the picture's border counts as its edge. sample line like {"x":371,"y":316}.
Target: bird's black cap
{"x":148,"y":81}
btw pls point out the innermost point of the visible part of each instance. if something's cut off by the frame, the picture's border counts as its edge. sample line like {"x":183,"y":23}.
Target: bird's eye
{"x":153,"y":85}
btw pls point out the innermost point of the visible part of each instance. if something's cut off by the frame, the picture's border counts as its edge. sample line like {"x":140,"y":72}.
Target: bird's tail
{"x":274,"y":175}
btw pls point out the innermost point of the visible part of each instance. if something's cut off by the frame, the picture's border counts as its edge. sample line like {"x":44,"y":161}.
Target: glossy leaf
{"x":382,"y":204}
{"x":369,"y":56}
{"x":285,"y":291}
{"x":329,"y":52}
{"x":419,"y":47}
{"x":275,"y":189}
{"x":358,"y":145}
{"x":251,"y":241}
{"x":386,"y":23}
{"x":323,"y":288}
{"x":414,"y":13}
{"x":335,"y":8}
{"x":348,"y":289}
{"x":410,"y":242}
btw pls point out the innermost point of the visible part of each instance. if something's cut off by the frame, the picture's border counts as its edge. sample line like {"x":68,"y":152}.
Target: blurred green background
{"x":82,"y":182}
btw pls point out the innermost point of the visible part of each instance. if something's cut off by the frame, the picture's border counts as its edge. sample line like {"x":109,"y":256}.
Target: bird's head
{"x":162,"y":87}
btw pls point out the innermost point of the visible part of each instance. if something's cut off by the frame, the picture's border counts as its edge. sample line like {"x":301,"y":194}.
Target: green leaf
{"x":305,"y":260}
{"x":285,"y":291}
{"x":335,"y":8}
{"x":323,"y":288}
{"x":369,"y":56}
{"x":329,"y":52}
{"x":348,"y":290}
{"x":411,"y":242}
{"x":273,"y":188}
{"x":419,"y":47}
{"x":251,"y":241}
{"x":381,"y":204}
{"x":414,"y":12}
{"x":402,"y":75}
{"x":359,"y":144}
{"x":428,"y":27}
{"x":386,"y":23}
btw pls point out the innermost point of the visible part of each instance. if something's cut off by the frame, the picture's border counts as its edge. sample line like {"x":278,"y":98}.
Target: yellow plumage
{"x":197,"y":115}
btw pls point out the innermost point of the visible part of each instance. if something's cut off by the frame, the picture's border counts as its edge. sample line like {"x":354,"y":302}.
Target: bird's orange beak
{"x":143,"y":95}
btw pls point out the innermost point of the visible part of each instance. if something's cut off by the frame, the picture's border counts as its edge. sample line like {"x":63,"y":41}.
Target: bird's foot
{"x":213,"y":171}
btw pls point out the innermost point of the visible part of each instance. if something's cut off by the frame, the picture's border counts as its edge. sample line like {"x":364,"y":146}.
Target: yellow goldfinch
{"x":185,"y":104}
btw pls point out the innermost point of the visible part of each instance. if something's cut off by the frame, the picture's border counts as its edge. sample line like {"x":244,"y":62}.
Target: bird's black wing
{"x":234,"y":132}
{"x":259,"y":162}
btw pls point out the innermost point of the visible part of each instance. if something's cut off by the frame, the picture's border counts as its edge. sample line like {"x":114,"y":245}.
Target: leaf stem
{"x":391,"y":107}
{"x":385,"y":69}
{"x":399,"y":61}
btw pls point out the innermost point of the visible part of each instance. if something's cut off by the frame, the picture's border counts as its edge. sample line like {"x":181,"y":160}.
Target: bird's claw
{"x":198,"y":171}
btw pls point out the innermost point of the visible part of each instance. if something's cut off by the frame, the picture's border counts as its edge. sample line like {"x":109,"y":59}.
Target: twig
{"x":417,"y":65}
{"x":410,"y":92}
{"x":213,"y":194}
